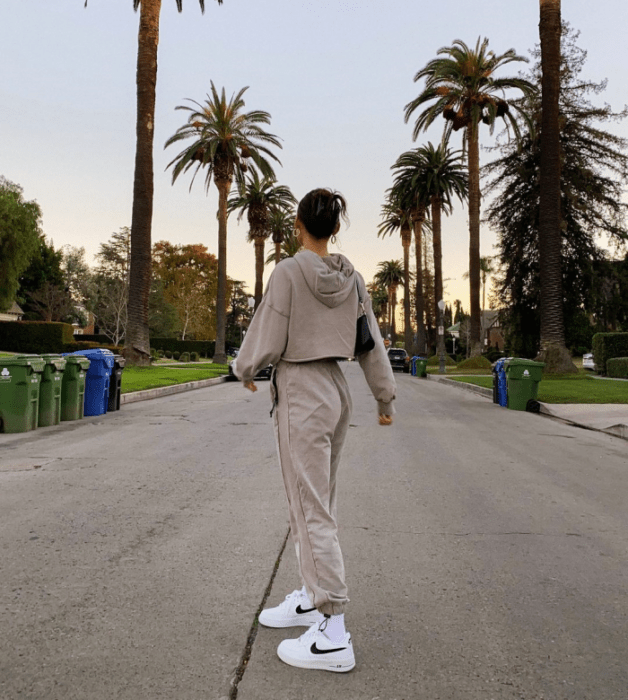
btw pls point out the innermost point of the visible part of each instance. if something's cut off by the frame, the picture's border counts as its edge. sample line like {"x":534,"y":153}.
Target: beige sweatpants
{"x":311,"y":422}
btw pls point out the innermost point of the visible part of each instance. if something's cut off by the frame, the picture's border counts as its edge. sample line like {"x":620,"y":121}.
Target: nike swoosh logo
{"x":300,"y":610}
{"x":315,"y":650}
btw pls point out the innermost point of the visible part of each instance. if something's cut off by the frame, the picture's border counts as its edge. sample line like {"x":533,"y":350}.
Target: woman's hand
{"x":385,"y":420}
{"x":250,"y":386}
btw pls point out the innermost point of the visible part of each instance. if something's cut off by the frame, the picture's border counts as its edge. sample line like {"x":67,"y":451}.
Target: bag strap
{"x":357,"y":286}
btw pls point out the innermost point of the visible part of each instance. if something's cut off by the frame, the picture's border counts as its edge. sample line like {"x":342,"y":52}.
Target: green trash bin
{"x":50,"y":390}
{"x":421,"y":367}
{"x":522,"y":379}
{"x":73,"y":387}
{"x":20,"y":379}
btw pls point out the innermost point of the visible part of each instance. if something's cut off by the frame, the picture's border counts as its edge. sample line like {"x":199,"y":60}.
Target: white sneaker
{"x":315,"y":650}
{"x":295,"y":611}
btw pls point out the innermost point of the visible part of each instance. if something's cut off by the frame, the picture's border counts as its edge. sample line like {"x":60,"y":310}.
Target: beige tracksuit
{"x":305,"y":323}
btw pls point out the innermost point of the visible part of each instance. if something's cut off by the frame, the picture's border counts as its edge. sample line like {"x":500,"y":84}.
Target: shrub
{"x":478,"y":362}
{"x":194,"y":357}
{"x":36,"y":337}
{"x":434,"y":361}
{"x":168,"y":354}
{"x":607,"y":346}
{"x":617,"y":367}
{"x":494,"y":355}
{"x":160,"y":353}
{"x":184,"y":357}
{"x":201,"y":346}
{"x":176,"y":355}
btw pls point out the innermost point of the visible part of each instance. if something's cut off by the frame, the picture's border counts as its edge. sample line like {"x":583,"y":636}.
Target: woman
{"x":305,"y":323}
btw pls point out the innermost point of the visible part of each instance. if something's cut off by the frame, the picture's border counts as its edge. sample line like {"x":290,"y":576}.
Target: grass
{"x":140,"y":378}
{"x":578,"y":388}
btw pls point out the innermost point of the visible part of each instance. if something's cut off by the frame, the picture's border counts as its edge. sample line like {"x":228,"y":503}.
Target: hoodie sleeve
{"x":267,"y":336}
{"x":375,"y":363}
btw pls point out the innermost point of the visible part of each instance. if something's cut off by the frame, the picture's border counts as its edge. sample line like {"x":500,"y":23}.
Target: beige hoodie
{"x":309,"y":312}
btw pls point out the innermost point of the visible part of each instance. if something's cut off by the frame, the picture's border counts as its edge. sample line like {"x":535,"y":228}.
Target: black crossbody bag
{"x":363,"y":339}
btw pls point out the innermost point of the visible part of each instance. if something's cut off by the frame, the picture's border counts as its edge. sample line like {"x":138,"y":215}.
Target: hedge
{"x":35,"y":337}
{"x":607,"y":346}
{"x":478,"y":362}
{"x":202,"y":347}
{"x":617,"y":367}
{"x":101,"y":339}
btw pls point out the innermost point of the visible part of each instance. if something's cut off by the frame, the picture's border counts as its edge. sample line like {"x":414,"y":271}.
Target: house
{"x":491,"y":329}
{"x":14,"y":313}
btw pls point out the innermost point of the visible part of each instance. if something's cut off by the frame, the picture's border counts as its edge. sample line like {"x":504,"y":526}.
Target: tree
{"x":288,"y":248}
{"x":389,"y":276}
{"x":240,"y":314}
{"x":43,"y":269}
{"x":259,"y":198}
{"x":396,"y":218}
{"x":487,"y":268}
{"x":137,"y":348}
{"x":189,"y":274}
{"x":223,"y":137}
{"x":281,"y":230}
{"x":463,"y":89}
{"x":20,"y":236}
{"x":594,"y":170}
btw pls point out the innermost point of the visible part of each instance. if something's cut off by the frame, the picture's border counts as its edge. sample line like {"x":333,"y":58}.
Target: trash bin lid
{"x":120,"y":361}
{"x":523,"y":362}
{"x":102,"y":354}
{"x":33,"y":361}
{"x":77,"y":360}
{"x":56,"y":361}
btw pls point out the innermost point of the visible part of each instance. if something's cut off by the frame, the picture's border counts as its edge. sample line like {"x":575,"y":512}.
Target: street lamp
{"x":441,"y":337}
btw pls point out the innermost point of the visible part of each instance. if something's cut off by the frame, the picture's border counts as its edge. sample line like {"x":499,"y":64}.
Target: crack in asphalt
{"x":248,"y":647}
{"x":464,"y":534}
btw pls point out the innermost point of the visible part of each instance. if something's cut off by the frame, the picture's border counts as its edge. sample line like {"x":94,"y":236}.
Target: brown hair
{"x":320,"y":211}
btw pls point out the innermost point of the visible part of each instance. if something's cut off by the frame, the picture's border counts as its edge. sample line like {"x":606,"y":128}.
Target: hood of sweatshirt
{"x":331,"y":279}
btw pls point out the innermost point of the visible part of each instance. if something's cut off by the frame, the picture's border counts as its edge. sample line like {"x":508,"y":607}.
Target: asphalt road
{"x":486,"y":554}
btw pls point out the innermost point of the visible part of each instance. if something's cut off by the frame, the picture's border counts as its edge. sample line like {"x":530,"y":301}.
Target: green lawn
{"x":139,"y":378}
{"x":569,"y":389}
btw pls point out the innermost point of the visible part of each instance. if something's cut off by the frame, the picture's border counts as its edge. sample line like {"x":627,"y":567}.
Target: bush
{"x":168,"y":354}
{"x":617,"y":367}
{"x":184,"y":357}
{"x":160,"y":353}
{"x":176,"y":355}
{"x":478,"y":362}
{"x":494,"y":355}
{"x":36,"y":337}
{"x":607,"y":346}
{"x":201,"y":346}
{"x":434,"y":361}
{"x":193,"y":357}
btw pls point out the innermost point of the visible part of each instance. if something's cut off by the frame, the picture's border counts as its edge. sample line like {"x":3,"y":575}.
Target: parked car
{"x":264,"y":373}
{"x":399,"y":359}
{"x":588,"y":361}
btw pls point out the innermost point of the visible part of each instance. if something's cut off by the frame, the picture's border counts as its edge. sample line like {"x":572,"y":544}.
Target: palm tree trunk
{"x":393,"y":319}
{"x":406,"y":239}
{"x":438,"y":270}
{"x":474,"y":238}
{"x":277,"y":252}
{"x":259,"y":270}
{"x":553,"y":350}
{"x":220,"y":356}
{"x":419,"y":299}
{"x":137,"y":341}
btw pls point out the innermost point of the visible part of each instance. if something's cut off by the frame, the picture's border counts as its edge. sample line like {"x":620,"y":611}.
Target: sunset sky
{"x":335,"y":76}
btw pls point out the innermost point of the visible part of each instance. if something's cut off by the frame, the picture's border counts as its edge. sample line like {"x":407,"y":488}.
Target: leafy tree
{"x":111,"y":280}
{"x":44,"y":269}
{"x":258,"y":198}
{"x":239,"y":315}
{"x":592,"y":176}
{"x":461,"y":86}
{"x":20,"y":236}
{"x":224,"y":138}
{"x":137,"y":344}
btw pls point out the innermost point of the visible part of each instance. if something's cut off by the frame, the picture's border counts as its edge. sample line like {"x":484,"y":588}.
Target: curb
{"x":160,"y":391}
{"x":473,"y":388}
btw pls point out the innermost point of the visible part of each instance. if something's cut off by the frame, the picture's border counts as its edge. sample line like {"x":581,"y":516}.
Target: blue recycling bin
{"x":97,"y":380}
{"x":500,"y":385}
{"x":413,"y":365}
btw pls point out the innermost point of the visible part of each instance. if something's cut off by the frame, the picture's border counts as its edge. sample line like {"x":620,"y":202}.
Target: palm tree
{"x":288,"y":247}
{"x":379,"y":300}
{"x":137,"y":341}
{"x":553,"y":350}
{"x":487,"y":267}
{"x":281,"y":229}
{"x":462,"y":88}
{"x":396,"y":218}
{"x":390,"y":275}
{"x":223,"y":138}
{"x":258,"y":198}
{"x":444,"y":179}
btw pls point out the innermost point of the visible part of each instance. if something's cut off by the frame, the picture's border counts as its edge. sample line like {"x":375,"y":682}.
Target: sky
{"x":334,"y":75}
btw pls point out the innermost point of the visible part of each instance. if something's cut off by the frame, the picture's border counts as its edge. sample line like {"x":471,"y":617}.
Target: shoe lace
{"x":293,"y":597}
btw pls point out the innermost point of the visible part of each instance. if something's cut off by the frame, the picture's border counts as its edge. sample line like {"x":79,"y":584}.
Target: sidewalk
{"x":606,"y":418}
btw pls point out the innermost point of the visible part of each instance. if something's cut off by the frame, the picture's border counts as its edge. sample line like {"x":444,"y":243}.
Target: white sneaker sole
{"x":305,"y":620}
{"x":333,"y":665}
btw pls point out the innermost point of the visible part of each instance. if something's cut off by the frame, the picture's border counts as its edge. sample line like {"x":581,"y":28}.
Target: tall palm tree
{"x":223,"y":138}
{"x":137,"y":341}
{"x":461,"y":87}
{"x":444,"y":178}
{"x":396,"y":218}
{"x":289,"y":246}
{"x":487,"y":267}
{"x":258,"y":198}
{"x":390,"y":275}
{"x":409,"y":188}
{"x":553,"y":350}
{"x":379,"y":300}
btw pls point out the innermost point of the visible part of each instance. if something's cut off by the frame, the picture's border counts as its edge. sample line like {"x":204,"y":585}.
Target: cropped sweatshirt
{"x":309,"y":312}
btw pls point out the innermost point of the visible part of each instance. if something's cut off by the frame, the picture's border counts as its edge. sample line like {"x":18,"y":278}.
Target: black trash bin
{"x":115,"y":383}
